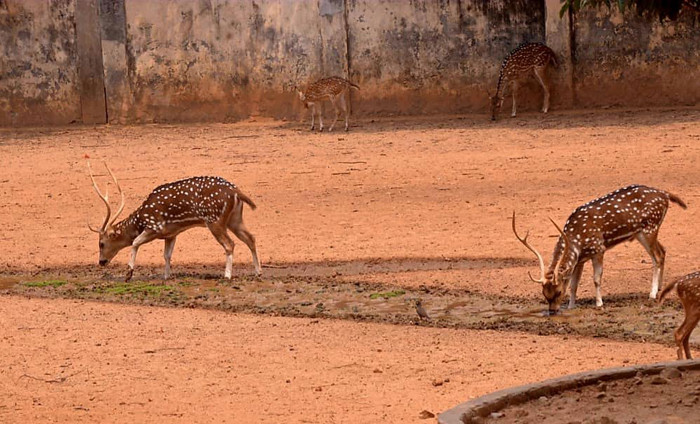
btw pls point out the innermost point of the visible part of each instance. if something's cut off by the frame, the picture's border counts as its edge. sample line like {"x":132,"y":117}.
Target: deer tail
{"x":666,"y":290}
{"x":246,"y":199}
{"x":677,"y":200}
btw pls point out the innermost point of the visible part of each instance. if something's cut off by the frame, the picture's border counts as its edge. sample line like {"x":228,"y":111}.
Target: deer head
{"x":495,"y":102}
{"x":555,"y":283}
{"x":112,"y":239}
{"x":302,"y":97}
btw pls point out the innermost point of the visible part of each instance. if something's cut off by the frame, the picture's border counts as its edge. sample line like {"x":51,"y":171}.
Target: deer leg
{"x":320,"y":117}
{"x":219,"y":232}
{"x":168,"y":253}
{"x":337,"y":113}
{"x":346,"y":109}
{"x":682,"y":335}
{"x":146,"y":236}
{"x":236,"y":225}
{"x":313,"y":114}
{"x":575,"y":278}
{"x":542,"y":78}
{"x":658,"y":257}
{"x":686,"y":340}
{"x":514,"y":89}
{"x":598,"y":278}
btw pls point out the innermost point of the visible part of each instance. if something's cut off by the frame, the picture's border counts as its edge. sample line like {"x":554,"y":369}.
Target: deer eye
{"x":102,"y":245}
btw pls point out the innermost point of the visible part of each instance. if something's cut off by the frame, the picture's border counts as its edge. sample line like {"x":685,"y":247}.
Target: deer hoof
{"x":129,"y":274}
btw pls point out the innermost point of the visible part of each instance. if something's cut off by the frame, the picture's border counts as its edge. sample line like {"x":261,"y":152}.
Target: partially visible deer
{"x":630,"y":213}
{"x":523,"y":61}
{"x":172,"y":208}
{"x":333,"y":89}
{"x":688,"y":289}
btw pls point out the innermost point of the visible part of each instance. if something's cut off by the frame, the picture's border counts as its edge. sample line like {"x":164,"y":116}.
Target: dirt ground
{"x":419,"y":205}
{"x":670,"y":397}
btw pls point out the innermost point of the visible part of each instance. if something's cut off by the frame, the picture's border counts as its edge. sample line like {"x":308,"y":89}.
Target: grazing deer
{"x":525,"y":59}
{"x":688,"y":289}
{"x":172,"y":208}
{"x":333,"y":89}
{"x":634,"y":212}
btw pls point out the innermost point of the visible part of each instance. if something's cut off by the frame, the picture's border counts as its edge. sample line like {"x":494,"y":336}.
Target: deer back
{"x":194,"y":201}
{"x":616,"y":217}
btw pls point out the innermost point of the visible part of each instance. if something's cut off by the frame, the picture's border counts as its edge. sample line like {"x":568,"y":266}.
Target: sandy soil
{"x":430,"y":192}
{"x":69,"y":361}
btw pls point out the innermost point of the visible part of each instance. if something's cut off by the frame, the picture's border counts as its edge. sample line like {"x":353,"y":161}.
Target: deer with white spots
{"x":688,"y":289}
{"x":633,"y":212}
{"x":333,"y":89}
{"x":523,"y":61}
{"x":172,"y":208}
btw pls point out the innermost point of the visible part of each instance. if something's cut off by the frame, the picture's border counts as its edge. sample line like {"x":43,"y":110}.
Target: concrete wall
{"x":633,"y":61}
{"x":38,"y":63}
{"x":434,"y":56}
{"x":221,"y":60}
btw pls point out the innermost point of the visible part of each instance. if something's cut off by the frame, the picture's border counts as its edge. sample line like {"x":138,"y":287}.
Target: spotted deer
{"x":633,"y":212}
{"x":524,"y":60}
{"x":688,"y":289}
{"x":333,"y":89}
{"x":172,"y":208}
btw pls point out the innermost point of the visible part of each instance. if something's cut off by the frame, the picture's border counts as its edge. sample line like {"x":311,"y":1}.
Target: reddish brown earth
{"x":419,"y":204}
{"x":669,"y":397}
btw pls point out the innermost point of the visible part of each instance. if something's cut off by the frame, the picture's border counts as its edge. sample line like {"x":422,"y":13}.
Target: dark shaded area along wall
{"x":38,"y":63}
{"x":628,"y":60}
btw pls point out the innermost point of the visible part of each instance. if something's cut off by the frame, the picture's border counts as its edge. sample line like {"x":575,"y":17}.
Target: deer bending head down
{"x":633,"y":212}
{"x":172,"y":208}
{"x":523,"y":61}
{"x":688,"y":289}
{"x":333,"y":89}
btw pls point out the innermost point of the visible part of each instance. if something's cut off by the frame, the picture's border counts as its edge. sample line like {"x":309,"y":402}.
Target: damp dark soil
{"x":321,"y":290}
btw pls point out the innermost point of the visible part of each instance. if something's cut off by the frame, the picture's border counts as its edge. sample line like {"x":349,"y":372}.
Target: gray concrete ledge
{"x":484,"y":405}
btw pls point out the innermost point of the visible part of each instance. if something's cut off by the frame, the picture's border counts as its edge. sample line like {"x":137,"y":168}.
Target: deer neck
{"x":568,"y":259}
{"x":129,"y":227}
{"x":499,"y":87}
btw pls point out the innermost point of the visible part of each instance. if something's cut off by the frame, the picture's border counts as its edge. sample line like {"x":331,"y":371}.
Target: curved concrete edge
{"x":484,"y":405}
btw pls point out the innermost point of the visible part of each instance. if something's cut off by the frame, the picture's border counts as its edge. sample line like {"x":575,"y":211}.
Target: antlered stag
{"x":634,"y":212}
{"x":172,"y":208}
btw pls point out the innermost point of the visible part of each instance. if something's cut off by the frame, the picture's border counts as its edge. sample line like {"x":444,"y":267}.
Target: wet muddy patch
{"x":333,"y":295}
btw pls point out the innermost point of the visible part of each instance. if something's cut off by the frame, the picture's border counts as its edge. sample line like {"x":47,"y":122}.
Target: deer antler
{"x":103,"y":198}
{"x":523,"y":240}
{"x":121,"y":193}
{"x":567,"y":244}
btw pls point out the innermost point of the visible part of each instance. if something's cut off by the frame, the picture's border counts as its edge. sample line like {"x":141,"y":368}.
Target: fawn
{"x":172,"y":208}
{"x":633,"y":212}
{"x":525,"y":59}
{"x":688,"y":289}
{"x":333,"y":89}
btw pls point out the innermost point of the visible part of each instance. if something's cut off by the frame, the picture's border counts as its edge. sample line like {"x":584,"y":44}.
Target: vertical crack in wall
{"x":572,"y":55}
{"x":348,"y":65}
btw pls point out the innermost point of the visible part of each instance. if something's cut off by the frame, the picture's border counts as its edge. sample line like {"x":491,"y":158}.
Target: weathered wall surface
{"x":434,"y":56}
{"x":38,"y":63}
{"x":220,"y":60}
{"x":633,"y":61}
